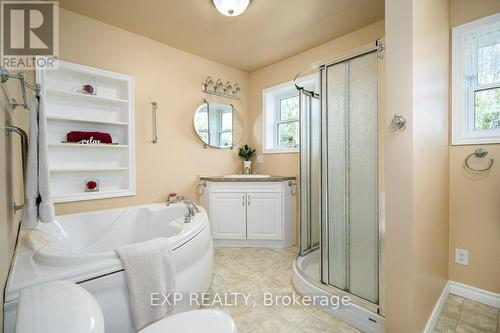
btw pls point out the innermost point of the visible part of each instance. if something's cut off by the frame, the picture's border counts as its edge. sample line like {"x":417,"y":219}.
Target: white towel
{"x":148,"y":269}
{"x":45,"y":206}
{"x":30,"y":211}
{"x":38,"y":205}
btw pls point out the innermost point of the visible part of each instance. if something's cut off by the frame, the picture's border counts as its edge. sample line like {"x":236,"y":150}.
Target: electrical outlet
{"x":260,"y":158}
{"x":461,"y":257}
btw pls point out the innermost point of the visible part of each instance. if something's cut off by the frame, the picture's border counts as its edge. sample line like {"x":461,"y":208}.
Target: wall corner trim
{"x":462,"y":290}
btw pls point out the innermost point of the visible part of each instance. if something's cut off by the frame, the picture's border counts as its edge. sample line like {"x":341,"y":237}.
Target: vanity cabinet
{"x":251,"y":213}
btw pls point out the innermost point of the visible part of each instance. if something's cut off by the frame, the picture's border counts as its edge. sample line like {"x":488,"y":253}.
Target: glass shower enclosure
{"x":340,"y":183}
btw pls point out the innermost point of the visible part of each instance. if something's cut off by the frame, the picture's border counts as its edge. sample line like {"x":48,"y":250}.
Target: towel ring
{"x":479,"y":153}
{"x":200,"y":188}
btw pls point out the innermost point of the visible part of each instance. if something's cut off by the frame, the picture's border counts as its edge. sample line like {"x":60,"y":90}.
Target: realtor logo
{"x":30,"y":33}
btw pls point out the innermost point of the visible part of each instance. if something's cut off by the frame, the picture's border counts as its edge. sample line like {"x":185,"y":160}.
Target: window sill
{"x":281,"y":151}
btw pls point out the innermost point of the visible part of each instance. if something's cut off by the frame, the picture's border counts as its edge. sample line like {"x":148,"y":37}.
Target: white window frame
{"x":271,"y":98}
{"x":463,"y":129}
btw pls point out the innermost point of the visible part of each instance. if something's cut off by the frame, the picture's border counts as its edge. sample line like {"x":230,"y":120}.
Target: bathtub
{"x":80,"y":248}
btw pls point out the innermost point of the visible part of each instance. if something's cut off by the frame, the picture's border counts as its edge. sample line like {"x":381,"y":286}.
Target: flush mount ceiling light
{"x":231,"y":7}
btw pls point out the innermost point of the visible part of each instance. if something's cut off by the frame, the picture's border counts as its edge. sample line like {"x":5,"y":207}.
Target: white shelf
{"x":87,"y":169}
{"x":112,"y":165}
{"x":91,"y":195}
{"x":79,"y":145}
{"x":84,"y":96}
{"x":103,"y":122}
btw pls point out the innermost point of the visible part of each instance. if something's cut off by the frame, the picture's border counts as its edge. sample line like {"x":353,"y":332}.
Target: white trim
{"x":282,"y":86}
{"x":475,"y":294}
{"x":438,"y":308}
{"x":460,"y":134}
{"x":462,"y":290}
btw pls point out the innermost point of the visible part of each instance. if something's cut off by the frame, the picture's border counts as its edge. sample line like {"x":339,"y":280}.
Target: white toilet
{"x":62,"y":307}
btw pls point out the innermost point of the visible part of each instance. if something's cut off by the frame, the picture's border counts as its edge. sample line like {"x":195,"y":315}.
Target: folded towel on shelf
{"x":148,"y":269}
{"x":78,"y":136}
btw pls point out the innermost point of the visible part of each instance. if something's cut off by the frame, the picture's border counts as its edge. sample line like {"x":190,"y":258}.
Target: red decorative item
{"x":78,"y":136}
{"x":88,"y":89}
{"x":91,"y":185}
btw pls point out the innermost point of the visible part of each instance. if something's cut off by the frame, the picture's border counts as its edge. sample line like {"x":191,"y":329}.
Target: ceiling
{"x":269,"y":31}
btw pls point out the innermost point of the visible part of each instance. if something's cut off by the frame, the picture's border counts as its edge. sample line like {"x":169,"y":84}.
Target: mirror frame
{"x":206,"y":145}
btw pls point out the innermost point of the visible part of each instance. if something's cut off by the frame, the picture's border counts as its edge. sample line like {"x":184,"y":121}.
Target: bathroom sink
{"x":247,"y":176}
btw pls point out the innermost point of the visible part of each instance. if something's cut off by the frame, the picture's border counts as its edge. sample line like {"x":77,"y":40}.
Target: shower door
{"x":351,"y":250}
{"x":310,"y":172}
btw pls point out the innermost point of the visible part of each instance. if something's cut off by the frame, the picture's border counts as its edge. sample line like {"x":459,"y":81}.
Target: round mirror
{"x":218,"y":125}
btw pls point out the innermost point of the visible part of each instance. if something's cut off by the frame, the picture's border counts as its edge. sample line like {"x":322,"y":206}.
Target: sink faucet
{"x":192,"y":208}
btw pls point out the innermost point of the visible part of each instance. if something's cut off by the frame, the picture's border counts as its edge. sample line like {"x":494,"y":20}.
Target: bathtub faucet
{"x":192,"y":208}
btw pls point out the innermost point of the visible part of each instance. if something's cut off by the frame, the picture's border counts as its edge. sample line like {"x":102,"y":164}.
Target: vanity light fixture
{"x":231,"y":7}
{"x":227,"y":90}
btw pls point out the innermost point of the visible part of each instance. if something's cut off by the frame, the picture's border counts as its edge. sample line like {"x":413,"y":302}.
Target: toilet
{"x":62,"y":307}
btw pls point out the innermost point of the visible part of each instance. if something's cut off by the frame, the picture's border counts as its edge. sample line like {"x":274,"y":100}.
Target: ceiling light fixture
{"x":231,"y":7}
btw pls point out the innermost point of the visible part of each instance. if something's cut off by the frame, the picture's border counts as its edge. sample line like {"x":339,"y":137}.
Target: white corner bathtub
{"x":80,"y":248}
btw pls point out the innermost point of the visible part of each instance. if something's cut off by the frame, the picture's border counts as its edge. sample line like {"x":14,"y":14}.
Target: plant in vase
{"x":246,"y":152}
{"x":290,"y":142}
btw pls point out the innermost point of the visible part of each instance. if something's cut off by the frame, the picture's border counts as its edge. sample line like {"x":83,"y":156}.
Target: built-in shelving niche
{"x":110,"y":110}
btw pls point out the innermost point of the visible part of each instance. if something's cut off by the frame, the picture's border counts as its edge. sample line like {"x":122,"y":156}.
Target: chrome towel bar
{"x":479,"y":153}
{"x":24,"y":151}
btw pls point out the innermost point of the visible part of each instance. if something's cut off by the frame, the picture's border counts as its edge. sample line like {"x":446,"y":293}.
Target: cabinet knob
{"x":243,"y":200}
{"x":248,"y":199}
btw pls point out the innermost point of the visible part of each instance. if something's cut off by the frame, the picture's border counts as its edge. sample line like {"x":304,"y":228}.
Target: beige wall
{"x":10,"y":178}
{"x":163,"y":74}
{"x":430,"y":154}
{"x":475,"y":198}
{"x":417,"y":86}
{"x":286,"y":70}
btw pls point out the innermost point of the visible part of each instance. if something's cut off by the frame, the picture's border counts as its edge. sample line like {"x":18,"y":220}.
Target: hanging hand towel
{"x":45,"y":205}
{"x":38,"y":205}
{"x":30,"y":210}
{"x":148,"y":269}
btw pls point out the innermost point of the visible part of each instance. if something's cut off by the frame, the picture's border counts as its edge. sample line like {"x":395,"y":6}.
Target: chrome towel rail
{"x":479,"y":153}
{"x":5,"y":76}
{"x":24,"y":151}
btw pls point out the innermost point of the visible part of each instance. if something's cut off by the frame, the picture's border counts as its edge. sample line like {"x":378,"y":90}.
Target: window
{"x":476,"y":82}
{"x":281,"y":117}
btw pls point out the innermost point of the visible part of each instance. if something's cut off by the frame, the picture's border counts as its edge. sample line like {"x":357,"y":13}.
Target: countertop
{"x":247,"y":179}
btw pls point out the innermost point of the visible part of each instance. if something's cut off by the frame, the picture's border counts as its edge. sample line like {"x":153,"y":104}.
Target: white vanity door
{"x":264,"y":216}
{"x":228,"y":213}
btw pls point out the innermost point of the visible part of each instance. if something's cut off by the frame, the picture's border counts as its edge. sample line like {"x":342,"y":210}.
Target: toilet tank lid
{"x":58,"y":307}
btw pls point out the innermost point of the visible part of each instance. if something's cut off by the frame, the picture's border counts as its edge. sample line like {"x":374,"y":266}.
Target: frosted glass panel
{"x":352,"y":176}
{"x":314,"y":107}
{"x":363,"y":191}
{"x":337,"y":171}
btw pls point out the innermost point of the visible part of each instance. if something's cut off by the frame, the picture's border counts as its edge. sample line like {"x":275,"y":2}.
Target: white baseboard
{"x":462,"y":290}
{"x":475,"y":294}
{"x":438,"y":308}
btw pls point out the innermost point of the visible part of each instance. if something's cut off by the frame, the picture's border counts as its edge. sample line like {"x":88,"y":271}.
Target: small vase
{"x":247,"y":165}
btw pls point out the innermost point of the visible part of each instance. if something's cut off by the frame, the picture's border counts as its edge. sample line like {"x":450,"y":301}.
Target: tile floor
{"x":461,"y":315}
{"x":261,"y":270}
